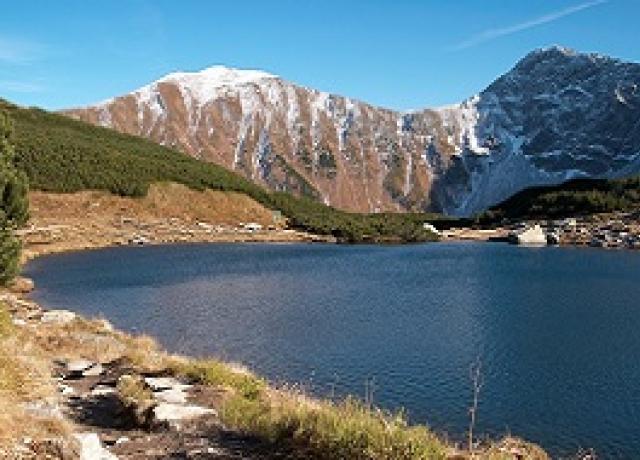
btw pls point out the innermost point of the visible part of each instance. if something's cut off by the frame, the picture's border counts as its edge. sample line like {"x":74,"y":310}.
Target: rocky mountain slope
{"x":557,"y":115}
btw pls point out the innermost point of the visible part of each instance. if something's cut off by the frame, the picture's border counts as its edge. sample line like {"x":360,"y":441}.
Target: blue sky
{"x":400,"y":54}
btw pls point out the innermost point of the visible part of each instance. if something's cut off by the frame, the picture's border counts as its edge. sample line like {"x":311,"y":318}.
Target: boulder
{"x":532,"y":236}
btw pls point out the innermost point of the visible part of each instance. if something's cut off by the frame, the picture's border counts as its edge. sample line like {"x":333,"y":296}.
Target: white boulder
{"x":532,"y":236}
{"x":91,"y":448}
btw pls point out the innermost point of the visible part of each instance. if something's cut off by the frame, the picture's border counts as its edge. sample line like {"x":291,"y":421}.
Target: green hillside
{"x":64,"y":155}
{"x":573,"y":198}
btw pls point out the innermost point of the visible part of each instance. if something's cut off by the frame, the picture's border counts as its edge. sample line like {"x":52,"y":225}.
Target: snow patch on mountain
{"x":202,"y":85}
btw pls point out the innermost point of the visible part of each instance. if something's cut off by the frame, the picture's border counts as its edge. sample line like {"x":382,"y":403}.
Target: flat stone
{"x":58,"y":316}
{"x":102,"y":390}
{"x":168,"y":412}
{"x":94,"y":370}
{"x":65,"y":390}
{"x":172,"y":395}
{"x":164,"y":383}
{"x":91,"y":448}
{"x":79,"y":366}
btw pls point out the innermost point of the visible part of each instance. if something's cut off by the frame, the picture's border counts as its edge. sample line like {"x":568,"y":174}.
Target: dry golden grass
{"x":136,"y":398}
{"x":92,"y":340}
{"x":510,"y":447}
{"x":16,"y":426}
{"x":24,"y":373}
{"x":25,"y":376}
{"x":6,"y":325}
{"x":143,"y":353}
{"x":95,"y":340}
{"x":163,"y":201}
{"x":215,"y":373}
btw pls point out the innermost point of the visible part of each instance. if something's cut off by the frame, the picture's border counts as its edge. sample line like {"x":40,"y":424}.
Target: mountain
{"x":60,"y":154}
{"x":557,"y":115}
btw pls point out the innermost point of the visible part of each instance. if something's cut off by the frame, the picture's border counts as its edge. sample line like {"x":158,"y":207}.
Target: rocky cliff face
{"x":555,"y":116}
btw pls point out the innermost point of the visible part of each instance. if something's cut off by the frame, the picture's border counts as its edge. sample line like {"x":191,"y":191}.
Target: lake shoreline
{"x":33,"y":250}
{"x":82,"y":373}
{"x":217,"y":273}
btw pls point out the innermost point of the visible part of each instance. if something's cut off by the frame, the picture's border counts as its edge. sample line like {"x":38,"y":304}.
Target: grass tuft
{"x":136,"y":398}
{"x":215,"y":373}
{"x":349,"y":429}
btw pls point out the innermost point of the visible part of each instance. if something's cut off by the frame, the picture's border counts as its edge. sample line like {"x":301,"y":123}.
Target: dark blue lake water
{"x":557,"y":330}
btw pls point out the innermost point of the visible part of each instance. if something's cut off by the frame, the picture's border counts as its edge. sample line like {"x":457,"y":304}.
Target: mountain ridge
{"x":529,"y":127}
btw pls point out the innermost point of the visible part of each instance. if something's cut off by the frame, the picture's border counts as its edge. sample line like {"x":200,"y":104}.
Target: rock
{"x":78,"y":367}
{"x":102,"y":390}
{"x":94,"y":370}
{"x":173,"y":396}
{"x":65,"y":390}
{"x":122,"y":440}
{"x":19,"y":322}
{"x":553,"y":238}
{"x":91,"y":448}
{"x":139,"y":240}
{"x":168,"y":412}
{"x":532,"y":236}
{"x":106,"y":325}
{"x":58,"y":316}
{"x":21,"y":285}
{"x":164,"y":383}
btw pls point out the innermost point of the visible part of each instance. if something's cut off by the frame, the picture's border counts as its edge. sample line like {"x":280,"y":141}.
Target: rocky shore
{"x":611,"y":230}
{"x":113,"y":396}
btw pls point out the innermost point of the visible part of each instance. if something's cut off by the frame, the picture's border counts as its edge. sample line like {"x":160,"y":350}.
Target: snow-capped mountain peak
{"x":208,"y":84}
{"x":557,"y":115}
{"x":202,"y":83}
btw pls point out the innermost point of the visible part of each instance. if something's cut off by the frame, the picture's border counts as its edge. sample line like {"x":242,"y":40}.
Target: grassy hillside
{"x":64,"y":155}
{"x":573,"y":198}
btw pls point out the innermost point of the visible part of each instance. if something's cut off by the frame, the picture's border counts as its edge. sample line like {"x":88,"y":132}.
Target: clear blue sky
{"x":400,"y":54}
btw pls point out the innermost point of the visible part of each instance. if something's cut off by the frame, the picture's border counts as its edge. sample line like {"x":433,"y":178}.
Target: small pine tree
{"x":14,"y":203}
